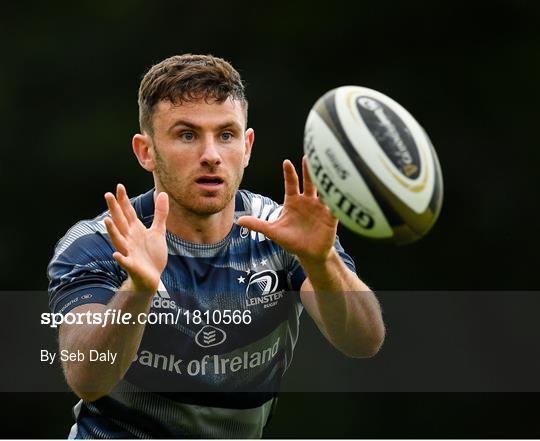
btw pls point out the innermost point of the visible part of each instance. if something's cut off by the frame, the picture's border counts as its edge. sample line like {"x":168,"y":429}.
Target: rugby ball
{"x":373,"y":164}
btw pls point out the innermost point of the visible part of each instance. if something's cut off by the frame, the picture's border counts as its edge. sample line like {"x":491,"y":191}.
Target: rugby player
{"x":193,"y":245}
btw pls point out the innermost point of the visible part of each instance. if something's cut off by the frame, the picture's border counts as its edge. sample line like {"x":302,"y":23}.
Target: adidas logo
{"x":159,"y":302}
{"x":162,"y":299}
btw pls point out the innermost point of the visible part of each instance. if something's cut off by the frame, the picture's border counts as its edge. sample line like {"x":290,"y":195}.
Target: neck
{"x":196,"y":228}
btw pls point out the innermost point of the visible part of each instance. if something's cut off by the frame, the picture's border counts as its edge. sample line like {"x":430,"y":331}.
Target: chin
{"x":208,"y":207}
{"x":208,"y":210}
{"x":204,"y":204}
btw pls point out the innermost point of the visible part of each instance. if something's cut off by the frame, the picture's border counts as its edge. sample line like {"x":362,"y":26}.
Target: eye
{"x":226,"y":136}
{"x":187,"y":136}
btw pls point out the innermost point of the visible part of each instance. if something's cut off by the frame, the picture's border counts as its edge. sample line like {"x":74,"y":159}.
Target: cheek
{"x":176,"y":162}
{"x":239,"y":157}
{"x":239,"y":166}
{"x":245,"y":161}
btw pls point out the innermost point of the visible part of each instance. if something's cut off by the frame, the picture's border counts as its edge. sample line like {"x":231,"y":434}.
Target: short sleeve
{"x":82,"y":269}
{"x":296,"y":272}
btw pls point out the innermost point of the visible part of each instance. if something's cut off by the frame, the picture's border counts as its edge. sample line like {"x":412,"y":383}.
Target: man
{"x":226,"y":262}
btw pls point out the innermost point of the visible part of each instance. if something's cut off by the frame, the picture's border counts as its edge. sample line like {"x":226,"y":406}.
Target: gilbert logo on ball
{"x":373,"y":165}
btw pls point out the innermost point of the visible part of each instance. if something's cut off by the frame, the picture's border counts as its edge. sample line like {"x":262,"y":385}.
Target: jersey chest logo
{"x":210,"y":336}
{"x":261,"y":289}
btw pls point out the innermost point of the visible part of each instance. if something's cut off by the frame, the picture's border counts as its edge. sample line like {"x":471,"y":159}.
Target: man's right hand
{"x":141,"y":251}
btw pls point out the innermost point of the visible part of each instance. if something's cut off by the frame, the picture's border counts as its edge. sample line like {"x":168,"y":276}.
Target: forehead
{"x":200,"y":113}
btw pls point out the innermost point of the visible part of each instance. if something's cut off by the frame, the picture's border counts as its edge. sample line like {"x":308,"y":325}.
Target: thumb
{"x":161,"y":211}
{"x":252,"y":223}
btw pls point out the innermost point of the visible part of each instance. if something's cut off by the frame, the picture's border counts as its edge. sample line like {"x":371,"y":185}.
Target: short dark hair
{"x":188,"y":77}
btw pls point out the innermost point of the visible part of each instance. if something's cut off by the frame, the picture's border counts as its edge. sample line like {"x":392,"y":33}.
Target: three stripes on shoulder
{"x":268,"y":212}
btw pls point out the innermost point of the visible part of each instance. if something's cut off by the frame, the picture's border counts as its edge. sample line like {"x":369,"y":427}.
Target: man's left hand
{"x":306,"y":226}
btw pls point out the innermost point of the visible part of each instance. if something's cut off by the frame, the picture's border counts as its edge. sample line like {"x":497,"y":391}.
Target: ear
{"x":249,"y":139}
{"x":144,"y":151}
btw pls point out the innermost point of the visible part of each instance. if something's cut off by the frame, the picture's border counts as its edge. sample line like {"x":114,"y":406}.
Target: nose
{"x":209,"y":152}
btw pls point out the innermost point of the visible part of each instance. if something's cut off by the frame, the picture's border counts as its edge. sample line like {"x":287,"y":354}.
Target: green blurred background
{"x":468,"y":71}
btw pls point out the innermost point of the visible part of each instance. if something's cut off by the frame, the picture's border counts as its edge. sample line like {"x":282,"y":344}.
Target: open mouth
{"x":209,"y":181}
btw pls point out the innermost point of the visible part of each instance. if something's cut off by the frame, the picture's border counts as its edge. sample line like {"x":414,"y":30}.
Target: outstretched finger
{"x":118,"y":241}
{"x":307,"y":184}
{"x":161,"y":211}
{"x":125,"y":205}
{"x":125,"y":262}
{"x":291,"y":179}
{"x":116,"y":213}
{"x":252,"y":223}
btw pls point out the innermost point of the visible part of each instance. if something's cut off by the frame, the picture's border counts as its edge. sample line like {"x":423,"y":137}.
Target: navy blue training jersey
{"x":212,"y":370}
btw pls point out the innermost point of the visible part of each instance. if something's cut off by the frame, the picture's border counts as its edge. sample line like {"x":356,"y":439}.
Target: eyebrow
{"x":191,"y":125}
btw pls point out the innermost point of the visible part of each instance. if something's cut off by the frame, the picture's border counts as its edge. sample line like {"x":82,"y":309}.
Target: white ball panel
{"x":336,"y":164}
